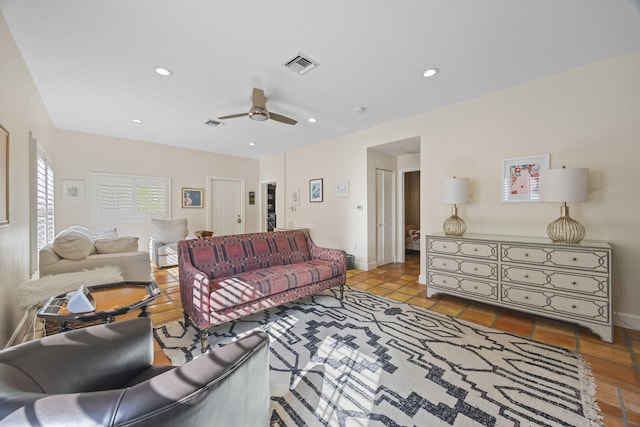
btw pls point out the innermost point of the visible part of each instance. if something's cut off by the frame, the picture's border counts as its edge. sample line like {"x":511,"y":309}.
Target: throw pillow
{"x":104,"y":233}
{"x":73,"y":243}
{"x":119,"y":244}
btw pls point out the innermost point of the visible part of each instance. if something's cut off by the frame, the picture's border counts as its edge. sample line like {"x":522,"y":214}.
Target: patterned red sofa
{"x":223,"y":278}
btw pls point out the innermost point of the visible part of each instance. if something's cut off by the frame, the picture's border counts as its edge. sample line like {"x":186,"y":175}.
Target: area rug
{"x":372,"y":361}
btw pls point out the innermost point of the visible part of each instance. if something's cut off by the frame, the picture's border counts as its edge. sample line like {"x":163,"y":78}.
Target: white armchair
{"x":164,"y":236}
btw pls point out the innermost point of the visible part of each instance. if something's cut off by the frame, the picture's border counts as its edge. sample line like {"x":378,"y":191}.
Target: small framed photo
{"x":342,"y":188}
{"x":72,"y":189}
{"x":521,"y":178}
{"x":295,"y":197}
{"x":192,"y":198}
{"x":315,"y":190}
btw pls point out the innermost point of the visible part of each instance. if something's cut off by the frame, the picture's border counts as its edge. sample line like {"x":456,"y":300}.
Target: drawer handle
{"x":475,"y":287}
{"x":574,"y":306}
{"x":574,"y":259}
{"x":444,"y":264}
{"x":526,"y":297}
{"x":475,"y":249}
{"x":526,"y":254}
{"x":444,"y":281}
{"x":444,"y":246}
{"x":526,"y":276}
{"x":475,"y":268}
{"x":573,"y":282}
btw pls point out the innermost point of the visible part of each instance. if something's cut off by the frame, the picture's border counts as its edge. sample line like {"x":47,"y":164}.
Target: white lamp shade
{"x":564,"y":185}
{"x":454,"y":191}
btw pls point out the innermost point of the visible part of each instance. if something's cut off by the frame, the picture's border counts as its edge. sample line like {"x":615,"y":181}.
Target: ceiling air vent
{"x":301,"y":64}
{"x":214,"y":123}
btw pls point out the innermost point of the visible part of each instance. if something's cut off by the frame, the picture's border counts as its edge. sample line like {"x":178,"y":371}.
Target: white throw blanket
{"x":36,"y":292}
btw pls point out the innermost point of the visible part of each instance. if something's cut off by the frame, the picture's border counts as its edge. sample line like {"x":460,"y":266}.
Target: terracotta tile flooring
{"x":615,"y":366}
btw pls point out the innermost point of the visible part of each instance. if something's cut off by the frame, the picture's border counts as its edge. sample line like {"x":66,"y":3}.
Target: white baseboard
{"x":422,"y":279}
{"x":629,"y":321}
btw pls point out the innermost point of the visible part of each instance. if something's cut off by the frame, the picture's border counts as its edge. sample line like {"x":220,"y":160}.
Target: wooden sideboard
{"x":533,"y":275}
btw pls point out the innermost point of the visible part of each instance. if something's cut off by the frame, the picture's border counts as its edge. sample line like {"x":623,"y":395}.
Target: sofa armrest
{"x":99,"y":357}
{"x":47,"y":256}
{"x":327,"y":254}
{"x":194,"y":288}
{"x":227,"y":386}
{"x":154,"y":244}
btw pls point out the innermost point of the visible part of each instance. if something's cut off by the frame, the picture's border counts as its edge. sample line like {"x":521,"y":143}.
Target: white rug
{"x":371,"y":361}
{"x":36,"y":292}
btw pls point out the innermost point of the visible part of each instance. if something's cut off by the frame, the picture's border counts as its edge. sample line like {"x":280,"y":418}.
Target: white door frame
{"x":392,"y":199}
{"x":209,"y":204}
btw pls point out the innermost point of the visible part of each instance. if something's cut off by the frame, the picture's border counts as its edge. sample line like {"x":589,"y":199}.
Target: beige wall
{"x":21,"y":111}
{"x":588,"y":117}
{"x":78,"y":154}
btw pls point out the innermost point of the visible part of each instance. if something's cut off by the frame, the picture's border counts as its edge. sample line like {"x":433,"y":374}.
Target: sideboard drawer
{"x":550,"y":256}
{"x":463,"y":285}
{"x":591,"y":309}
{"x":464,"y":266}
{"x":463,"y":247}
{"x":550,"y":279}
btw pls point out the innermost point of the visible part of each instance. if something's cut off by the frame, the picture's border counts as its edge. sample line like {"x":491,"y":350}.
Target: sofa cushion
{"x":119,"y":244}
{"x":221,"y":256}
{"x":250,"y":286}
{"x":104,"y":233}
{"x":74,"y":243}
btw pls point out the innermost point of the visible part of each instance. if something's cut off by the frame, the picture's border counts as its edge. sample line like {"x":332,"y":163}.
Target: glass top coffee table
{"x":113,"y":299}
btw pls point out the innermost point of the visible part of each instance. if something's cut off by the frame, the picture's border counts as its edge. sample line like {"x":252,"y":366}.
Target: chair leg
{"x":341,"y":291}
{"x":187,"y":320}
{"x":203,"y":335}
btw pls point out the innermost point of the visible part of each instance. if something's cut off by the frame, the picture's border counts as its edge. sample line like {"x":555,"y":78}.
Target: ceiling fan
{"x":259,"y":110}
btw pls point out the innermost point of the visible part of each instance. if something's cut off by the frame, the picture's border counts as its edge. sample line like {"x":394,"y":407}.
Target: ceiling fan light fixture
{"x":312,"y":120}
{"x":258,"y":115}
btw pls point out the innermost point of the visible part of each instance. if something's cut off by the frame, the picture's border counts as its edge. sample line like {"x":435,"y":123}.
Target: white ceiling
{"x":93,"y":61}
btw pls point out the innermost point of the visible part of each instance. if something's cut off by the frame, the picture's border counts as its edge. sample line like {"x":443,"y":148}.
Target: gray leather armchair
{"x":103,"y":375}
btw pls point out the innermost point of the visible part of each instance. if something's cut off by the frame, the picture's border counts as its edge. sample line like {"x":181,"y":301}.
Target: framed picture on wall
{"x":521,"y":178}
{"x":72,"y":189}
{"x":315,"y":190}
{"x":192,"y":198}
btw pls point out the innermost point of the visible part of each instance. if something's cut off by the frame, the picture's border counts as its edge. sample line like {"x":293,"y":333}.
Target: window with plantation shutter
{"x":45,"y":224}
{"x":129,"y":197}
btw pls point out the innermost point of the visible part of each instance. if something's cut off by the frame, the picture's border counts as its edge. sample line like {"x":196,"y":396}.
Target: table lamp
{"x":564,"y":185}
{"x":454,"y":191}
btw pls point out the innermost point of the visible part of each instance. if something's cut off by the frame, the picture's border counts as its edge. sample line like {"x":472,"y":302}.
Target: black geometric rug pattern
{"x":372,"y":361}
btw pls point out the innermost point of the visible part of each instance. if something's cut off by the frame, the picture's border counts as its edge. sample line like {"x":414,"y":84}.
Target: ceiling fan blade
{"x":282,"y":119}
{"x":233,"y":116}
{"x":258,"y":98}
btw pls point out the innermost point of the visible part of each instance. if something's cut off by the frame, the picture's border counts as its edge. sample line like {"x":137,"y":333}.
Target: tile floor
{"x":615,"y":366}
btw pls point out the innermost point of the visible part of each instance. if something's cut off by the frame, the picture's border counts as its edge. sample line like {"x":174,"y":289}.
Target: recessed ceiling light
{"x":137,"y":121}
{"x":312,"y":120}
{"x":430,"y":72}
{"x":252,"y":144}
{"x":360,"y":110}
{"x":163,"y":71}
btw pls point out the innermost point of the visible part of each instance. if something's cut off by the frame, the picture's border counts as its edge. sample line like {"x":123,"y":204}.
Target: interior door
{"x":385,"y":218}
{"x":226,"y":213}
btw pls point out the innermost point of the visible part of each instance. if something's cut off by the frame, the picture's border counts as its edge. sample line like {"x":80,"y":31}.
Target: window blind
{"x":128,"y":197}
